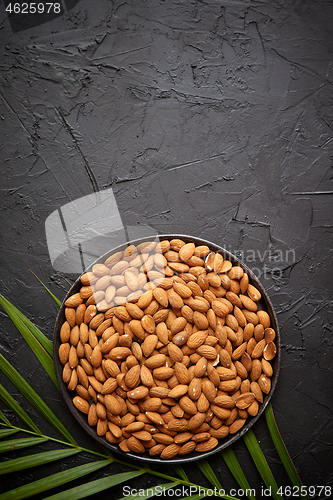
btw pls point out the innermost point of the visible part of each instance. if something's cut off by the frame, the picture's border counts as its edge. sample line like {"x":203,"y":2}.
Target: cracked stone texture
{"x":212,"y":119}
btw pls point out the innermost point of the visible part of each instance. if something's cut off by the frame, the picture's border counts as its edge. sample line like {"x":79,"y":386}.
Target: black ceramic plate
{"x":264,"y":304}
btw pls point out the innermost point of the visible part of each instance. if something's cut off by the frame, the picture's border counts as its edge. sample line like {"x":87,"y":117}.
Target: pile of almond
{"x":166,"y":348}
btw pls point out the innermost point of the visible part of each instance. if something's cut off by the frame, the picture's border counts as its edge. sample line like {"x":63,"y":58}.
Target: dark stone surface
{"x":206,"y":118}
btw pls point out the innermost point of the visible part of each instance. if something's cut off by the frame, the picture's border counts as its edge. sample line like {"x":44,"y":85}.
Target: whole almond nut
{"x":170,"y":451}
{"x":186,"y":251}
{"x":194,"y":388}
{"x":163,"y":372}
{"x":81,"y":404}
{"x":74,"y":300}
{"x":264,"y":383}
{"x":118,"y":353}
{"x":178,"y":425}
{"x":258,"y":349}
{"x":156,"y":361}
{"x":207,"y":351}
{"x":197,"y":339}
{"x":236,"y":426}
{"x":109,"y":386}
{"x":148,"y":323}
{"x":248,"y":303}
{"x":219,"y":308}
{"x":209,"y":390}
{"x":182,"y":373}
{"x":183,"y":290}
{"x":175,"y":353}
{"x":146,"y":376}
{"x":200,"y":367}
{"x":135,"y":445}
{"x":208,"y":445}
{"x":139,"y":392}
{"x":255,"y":370}
{"x":239,"y":351}
{"x":64,"y":352}
{"x":149,"y":344}
{"x":187,"y":405}
{"x":251,"y":317}
{"x":132,"y":377}
{"x":253,"y":293}
{"x":177,"y":325}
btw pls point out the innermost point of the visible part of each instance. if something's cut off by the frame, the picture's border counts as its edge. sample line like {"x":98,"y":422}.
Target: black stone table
{"x":207,"y":118}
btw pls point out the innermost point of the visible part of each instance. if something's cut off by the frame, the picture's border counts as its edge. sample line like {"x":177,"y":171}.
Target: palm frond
{"x":4,"y":418}
{"x":87,"y":489}
{"x":53,"y":481}
{"x":11,"y":310}
{"x":261,"y":463}
{"x":7,"y":432}
{"x":282,"y":451}
{"x":17,"y":410}
{"x":180,"y":471}
{"x":27,"y":462}
{"x":39,"y":351}
{"x":56,"y":300}
{"x":236,"y":470}
{"x":208,"y":472}
{"x":34,"y":399}
{"x":17,"y":444}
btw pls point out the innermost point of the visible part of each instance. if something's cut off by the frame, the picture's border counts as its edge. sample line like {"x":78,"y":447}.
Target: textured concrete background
{"x":212,"y":119}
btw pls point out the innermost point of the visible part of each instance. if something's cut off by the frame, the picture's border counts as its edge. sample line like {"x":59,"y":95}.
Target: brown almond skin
{"x":207,"y":445}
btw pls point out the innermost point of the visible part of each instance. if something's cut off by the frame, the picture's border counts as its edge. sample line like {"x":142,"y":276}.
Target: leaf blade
{"x":208,"y":472}
{"x":34,"y":399}
{"x":236,"y":470}
{"x":17,"y":444}
{"x":42,"y":339}
{"x":96,"y":486}
{"x":16,"y":408}
{"x":27,"y":462}
{"x":56,"y":300}
{"x":181,"y":473}
{"x":261,"y":463}
{"x":7,"y":432}
{"x":53,"y":481}
{"x":282,"y":450}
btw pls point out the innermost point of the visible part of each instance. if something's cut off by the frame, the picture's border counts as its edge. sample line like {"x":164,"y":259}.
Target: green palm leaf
{"x":42,"y":339}
{"x":261,"y":463}
{"x":16,"y":408}
{"x":17,"y":444}
{"x":87,"y":489}
{"x":208,"y":472}
{"x":236,"y":470}
{"x":282,"y":450}
{"x":34,"y":399}
{"x":19,"y":464}
{"x":4,"y":418}
{"x":53,"y":481}
{"x":57,"y":301}
{"x":39,"y":351}
{"x":181,"y":473}
{"x":7,"y":432}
